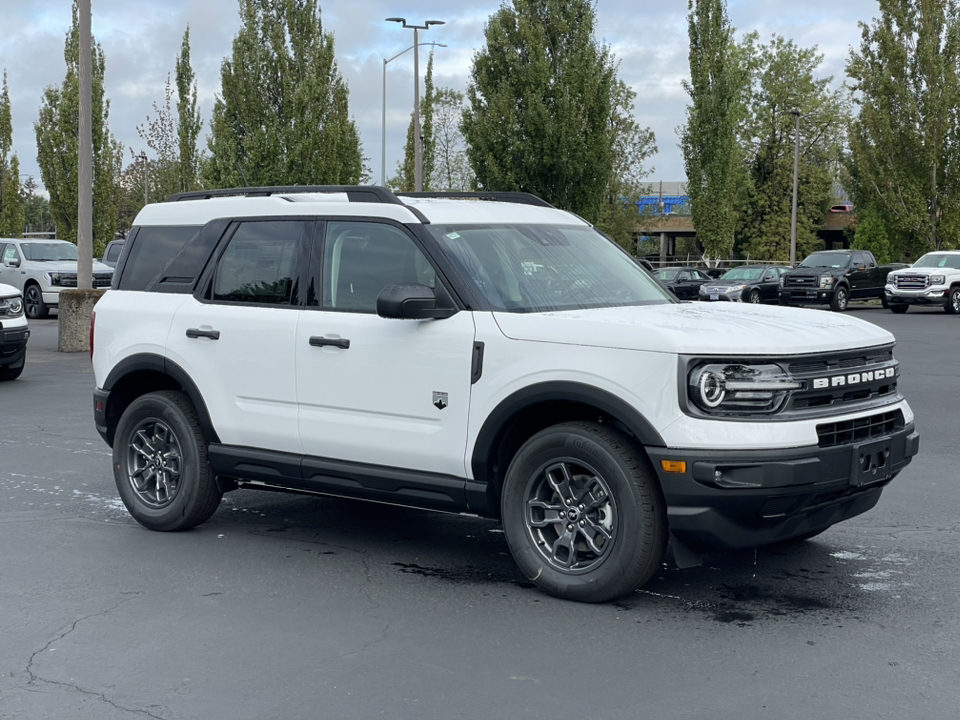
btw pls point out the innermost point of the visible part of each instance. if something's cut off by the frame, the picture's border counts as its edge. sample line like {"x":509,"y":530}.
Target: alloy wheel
{"x":154,"y":463}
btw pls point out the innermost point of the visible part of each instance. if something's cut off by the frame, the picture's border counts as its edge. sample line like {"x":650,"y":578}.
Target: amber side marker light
{"x":674,"y":466}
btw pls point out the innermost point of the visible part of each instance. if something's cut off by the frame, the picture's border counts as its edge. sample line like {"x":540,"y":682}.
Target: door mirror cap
{"x":410,"y":302}
{"x":13,"y":262}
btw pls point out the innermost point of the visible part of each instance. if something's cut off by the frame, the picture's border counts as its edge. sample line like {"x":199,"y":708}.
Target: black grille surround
{"x":831,"y":384}
{"x":803,"y":281}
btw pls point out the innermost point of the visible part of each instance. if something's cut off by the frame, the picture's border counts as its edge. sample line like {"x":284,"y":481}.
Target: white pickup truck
{"x":934,"y":279}
{"x":40,"y":269}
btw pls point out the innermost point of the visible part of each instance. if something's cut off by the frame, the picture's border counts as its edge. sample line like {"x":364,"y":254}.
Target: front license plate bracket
{"x":872,"y":462}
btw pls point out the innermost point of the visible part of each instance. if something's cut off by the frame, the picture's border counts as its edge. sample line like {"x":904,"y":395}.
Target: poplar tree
{"x":188,"y":119}
{"x":282,"y":117}
{"x":541,"y":100}
{"x":711,"y":151}
{"x":12,"y":200}
{"x":57,"y":130}
{"x":906,"y":138}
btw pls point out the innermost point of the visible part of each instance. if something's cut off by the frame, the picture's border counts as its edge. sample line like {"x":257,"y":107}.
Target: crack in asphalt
{"x":37,"y":678}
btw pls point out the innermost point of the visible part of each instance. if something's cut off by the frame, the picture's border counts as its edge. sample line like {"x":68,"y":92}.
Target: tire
{"x":953,"y":302}
{"x":591,"y":551}
{"x":899,"y":309}
{"x":11,"y":373}
{"x":840,"y":299}
{"x":754,"y":297}
{"x":883,"y":302}
{"x":33,"y":304}
{"x":160,"y":463}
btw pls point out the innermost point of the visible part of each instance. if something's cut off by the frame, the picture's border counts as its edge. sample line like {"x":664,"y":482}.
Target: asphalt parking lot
{"x":289,"y":607}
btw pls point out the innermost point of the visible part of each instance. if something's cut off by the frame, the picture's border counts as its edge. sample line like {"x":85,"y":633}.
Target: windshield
{"x":49,"y":252}
{"x":938,"y":260}
{"x":827,"y":259}
{"x":540,"y":268}
{"x":743,"y":273}
{"x":667,"y":275}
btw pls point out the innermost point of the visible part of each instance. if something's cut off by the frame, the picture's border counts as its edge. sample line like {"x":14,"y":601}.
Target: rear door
{"x":235,"y":336}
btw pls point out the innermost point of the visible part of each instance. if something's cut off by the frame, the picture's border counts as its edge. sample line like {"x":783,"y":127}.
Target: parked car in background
{"x":684,"y":282}
{"x":713,"y":272}
{"x":835,"y":277}
{"x":13,"y":333}
{"x":747,"y":283}
{"x":40,"y":269}
{"x":112,"y":254}
{"x":934,"y":279}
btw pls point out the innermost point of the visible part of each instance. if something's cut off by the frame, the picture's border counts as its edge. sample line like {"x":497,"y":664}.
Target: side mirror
{"x":410,"y":302}
{"x":13,"y":262}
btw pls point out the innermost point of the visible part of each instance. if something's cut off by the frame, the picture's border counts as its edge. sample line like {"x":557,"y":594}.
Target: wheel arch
{"x":144,"y":373}
{"x":528,"y":411}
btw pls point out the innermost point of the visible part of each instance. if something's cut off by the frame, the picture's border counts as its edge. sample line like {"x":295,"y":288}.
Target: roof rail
{"x":521,"y":198}
{"x":355,"y":193}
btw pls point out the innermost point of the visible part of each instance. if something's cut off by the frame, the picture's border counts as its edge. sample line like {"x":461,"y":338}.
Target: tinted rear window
{"x":153,"y":248}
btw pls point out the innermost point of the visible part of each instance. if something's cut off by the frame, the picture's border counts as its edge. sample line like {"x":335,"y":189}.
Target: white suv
{"x":40,"y":269}
{"x":489,"y":355}
{"x":13,"y":333}
{"x":934,"y":279}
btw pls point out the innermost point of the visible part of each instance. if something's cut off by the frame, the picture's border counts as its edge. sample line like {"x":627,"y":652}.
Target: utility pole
{"x":796,"y":172}
{"x":85,"y":154}
{"x":417,"y":149}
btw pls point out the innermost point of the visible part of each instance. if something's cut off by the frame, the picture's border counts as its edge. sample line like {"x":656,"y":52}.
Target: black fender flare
{"x":559,"y":390}
{"x":157,"y":363}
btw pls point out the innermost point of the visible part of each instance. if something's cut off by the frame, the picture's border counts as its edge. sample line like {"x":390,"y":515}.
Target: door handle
{"x":198,"y":333}
{"x":342,"y":343}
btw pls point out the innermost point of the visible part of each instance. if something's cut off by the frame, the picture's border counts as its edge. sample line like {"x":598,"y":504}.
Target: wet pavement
{"x":298,"y":607}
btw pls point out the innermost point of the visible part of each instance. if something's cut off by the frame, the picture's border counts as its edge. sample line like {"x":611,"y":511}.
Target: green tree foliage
{"x":783,"y":82}
{"x":905,"y":140}
{"x":37,"y":215}
{"x":711,"y":152}
{"x":161,"y":135}
{"x":282,"y":117}
{"x":870,"y":233}
{"x":188,"y":119}
{"x":57,"y":130}
{"x":451,"y":168}
{"x":11,"y":196}
{"x":406,"y":169}
{"x":541,"y":96}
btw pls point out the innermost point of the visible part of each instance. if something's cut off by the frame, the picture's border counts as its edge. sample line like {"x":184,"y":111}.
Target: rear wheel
{"x":899,"y":309}
{"x":160,"y":463}
{"x":582,"y":512}
{"x":953,"y":301}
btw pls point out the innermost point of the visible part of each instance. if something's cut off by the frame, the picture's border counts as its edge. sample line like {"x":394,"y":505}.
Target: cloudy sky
{"x":141,"y":40}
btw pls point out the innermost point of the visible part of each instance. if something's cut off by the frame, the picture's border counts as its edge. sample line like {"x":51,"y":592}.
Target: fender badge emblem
{"x":440,"y":400}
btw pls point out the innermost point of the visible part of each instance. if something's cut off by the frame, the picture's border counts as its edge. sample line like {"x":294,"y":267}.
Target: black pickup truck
{"x":835,"y":277}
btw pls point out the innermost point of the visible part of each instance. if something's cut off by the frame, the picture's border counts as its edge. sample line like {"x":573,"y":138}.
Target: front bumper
{"x":734,"y":296}
{"x":730,"y":499}
{"x":13,"y":344}
{"x":807,"y":296}
{"x":936,"y":295}
{"x":51,"y":297}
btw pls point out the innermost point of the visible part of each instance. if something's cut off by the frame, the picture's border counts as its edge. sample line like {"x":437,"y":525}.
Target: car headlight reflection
{"x":11,"y":307}
{"x":740,"y":388}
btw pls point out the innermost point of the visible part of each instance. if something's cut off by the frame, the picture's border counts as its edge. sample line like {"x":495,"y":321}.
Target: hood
{"x":922,"y":271}
{"x":70,"y":266}
{"x":698,"y":328}
{"x":812,"y":271}
{"x":7,"y":291}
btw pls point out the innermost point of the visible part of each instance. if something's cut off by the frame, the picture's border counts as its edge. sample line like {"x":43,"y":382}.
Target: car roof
{"x":30,"y":241}
{"x":408,"y":210}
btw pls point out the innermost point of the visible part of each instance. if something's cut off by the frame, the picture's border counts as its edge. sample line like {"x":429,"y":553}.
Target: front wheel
{"x":33,"y":304}
{"x":583,"y":514}
{"x":160,"y":463}
{"x":754,"y":296}
{"x":899,"y":309}
{"x":953,"y":302}
{"x":7,"y":372}
{"x":840,"y":299}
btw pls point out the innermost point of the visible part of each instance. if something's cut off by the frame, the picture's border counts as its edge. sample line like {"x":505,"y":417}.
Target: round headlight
{"x":16,"y":306}
{"x":712,"y":388}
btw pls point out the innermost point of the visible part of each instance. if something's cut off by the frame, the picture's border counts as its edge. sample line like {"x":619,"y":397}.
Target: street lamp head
{"x":435,"y":22}
{"x":399,"y":20}
{"x":795,"y":113}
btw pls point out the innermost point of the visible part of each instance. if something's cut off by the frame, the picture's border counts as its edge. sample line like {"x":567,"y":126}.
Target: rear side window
{"x":259,"y":264}
{"x":153,"y":248}
{"x":113,"y":252}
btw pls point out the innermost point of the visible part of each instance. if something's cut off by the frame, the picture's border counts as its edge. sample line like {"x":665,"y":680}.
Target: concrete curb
{"x":74,"y":313}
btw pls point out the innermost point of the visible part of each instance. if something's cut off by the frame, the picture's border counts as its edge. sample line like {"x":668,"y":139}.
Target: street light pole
{"x":383,"y":121}
{"x":417,"y":149}
{"x":793,"y":214}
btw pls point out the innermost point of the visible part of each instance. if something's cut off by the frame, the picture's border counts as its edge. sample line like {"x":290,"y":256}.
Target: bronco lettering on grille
{"x":853,"y":379}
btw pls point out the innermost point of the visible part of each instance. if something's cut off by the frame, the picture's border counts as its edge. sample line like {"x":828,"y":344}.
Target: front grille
{"x":802,"y":281}
{"x":911,"y":282}
{"x":99,"y":280}
{"x":841,"y":362}
{"x":865,"y":428}
{"x":842,"y":382}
